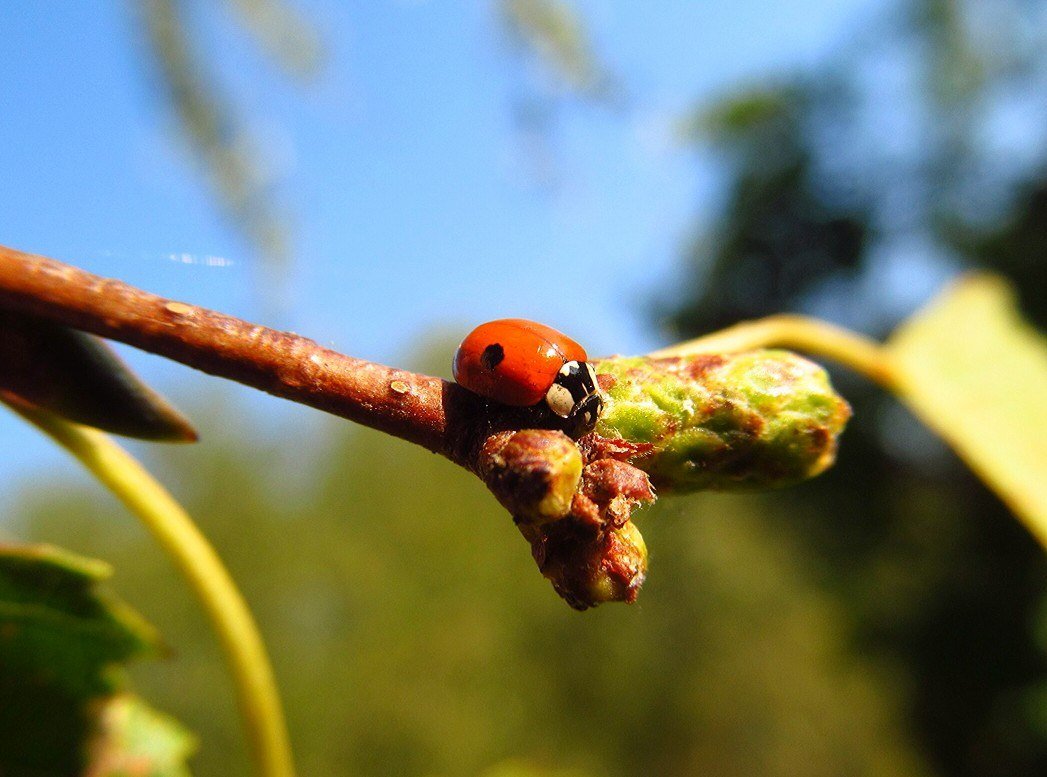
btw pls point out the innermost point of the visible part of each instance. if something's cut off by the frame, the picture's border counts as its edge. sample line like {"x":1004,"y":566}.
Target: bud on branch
{"x":755,"y":419}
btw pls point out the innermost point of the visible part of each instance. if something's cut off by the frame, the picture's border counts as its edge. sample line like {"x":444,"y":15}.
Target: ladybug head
{"x":574,"y":397}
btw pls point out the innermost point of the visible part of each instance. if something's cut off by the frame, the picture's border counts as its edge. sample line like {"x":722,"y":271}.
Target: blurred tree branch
{"x":288,"y":37}
{"x":555,"y":33}
{"x":211,"y":122}
{"x":557,"y":62}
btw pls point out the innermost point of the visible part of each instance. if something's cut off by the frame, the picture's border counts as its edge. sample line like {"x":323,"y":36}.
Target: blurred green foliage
{"x":850,"y":189}
{"x":64,"y":644}
{"x":210,"y":119}
{"x":130,"y":738}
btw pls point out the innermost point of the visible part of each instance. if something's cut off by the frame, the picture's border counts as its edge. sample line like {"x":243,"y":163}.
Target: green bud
{"x":590,"y":568}
{"x":757,"y":419}
{"x":534,"y":473}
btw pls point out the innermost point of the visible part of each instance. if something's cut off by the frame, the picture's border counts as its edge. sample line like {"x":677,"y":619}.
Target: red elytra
{"x":513,"y":361}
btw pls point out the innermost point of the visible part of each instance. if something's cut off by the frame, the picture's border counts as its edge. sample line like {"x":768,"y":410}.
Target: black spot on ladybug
{"x":492,"y":356}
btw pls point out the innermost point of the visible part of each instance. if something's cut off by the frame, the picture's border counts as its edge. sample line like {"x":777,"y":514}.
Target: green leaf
{"x":974,"y":371}
{"x":57,"y":627}
{"x":132,"y":739}
{"x":78,"y":377}
{"x":63,"y":644}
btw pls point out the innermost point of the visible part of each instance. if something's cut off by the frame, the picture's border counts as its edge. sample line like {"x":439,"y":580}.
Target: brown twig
{"x":431,"y":412}
{"x":592,"y":554}
{"x":571,"y":499}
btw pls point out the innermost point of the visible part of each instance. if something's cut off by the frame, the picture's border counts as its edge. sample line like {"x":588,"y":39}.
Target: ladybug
{"x":522,"y":363}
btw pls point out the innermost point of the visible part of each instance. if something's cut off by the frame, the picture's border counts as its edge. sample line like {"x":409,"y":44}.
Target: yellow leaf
{"x":974,"y":371}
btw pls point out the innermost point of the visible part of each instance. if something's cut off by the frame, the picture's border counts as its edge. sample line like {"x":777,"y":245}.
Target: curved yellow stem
{"x":811,"y":335}
{"x":203,"y":569}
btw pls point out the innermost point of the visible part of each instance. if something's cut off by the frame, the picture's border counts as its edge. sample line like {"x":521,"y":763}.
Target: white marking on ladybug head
{"x":559,"y":400}
{"x":592,"y":373}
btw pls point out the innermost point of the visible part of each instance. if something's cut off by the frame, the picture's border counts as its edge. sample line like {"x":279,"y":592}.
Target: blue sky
{"x":415,"y":208}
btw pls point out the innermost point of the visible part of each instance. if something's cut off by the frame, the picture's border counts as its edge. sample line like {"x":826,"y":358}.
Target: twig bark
{"x":431,"y":412}
{"x":572,"y":500}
